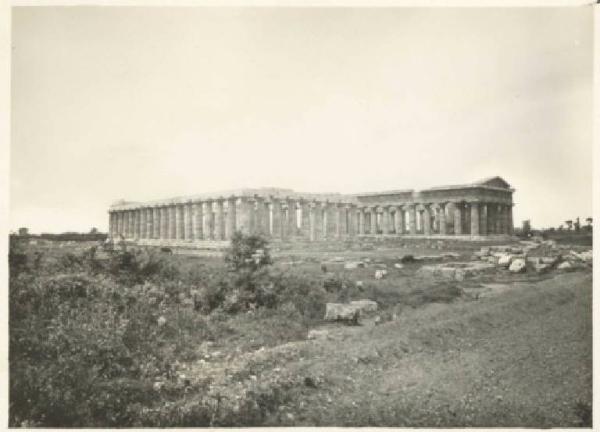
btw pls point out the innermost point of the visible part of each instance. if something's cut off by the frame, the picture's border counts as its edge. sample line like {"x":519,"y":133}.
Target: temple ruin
{"x":471,"y":211}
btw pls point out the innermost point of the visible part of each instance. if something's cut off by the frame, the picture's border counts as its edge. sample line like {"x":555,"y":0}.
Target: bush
{"x":247,"y":252}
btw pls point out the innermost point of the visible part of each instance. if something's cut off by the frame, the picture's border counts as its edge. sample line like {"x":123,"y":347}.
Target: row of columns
{"x":218,"y":219}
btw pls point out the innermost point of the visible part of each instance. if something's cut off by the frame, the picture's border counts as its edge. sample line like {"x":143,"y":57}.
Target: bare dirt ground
{"x":522,"y":356}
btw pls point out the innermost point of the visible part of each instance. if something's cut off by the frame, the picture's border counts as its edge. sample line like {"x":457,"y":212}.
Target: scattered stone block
{"x":550,"y":260}
{"x":518,"y":266}
{"x":341,"y":312}
{"x":317,"y":334}
{"x":505,"y":260}
{"x":365,"y":305}
{"x":448,"y":272}
{"x":565,"y":266}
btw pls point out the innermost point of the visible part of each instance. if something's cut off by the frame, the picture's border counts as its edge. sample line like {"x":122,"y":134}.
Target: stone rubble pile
{"x":539,"y":255}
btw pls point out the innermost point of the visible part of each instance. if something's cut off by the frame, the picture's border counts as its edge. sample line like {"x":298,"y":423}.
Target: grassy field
{"x":140,"y":338}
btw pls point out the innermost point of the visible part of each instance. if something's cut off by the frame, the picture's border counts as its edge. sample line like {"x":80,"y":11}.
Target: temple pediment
{"x":494,"y":182}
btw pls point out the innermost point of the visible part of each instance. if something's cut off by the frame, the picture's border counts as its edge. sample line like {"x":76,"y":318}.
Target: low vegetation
{"x":96,"y":337}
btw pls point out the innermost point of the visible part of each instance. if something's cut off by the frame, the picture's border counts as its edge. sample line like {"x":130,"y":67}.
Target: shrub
{"x":247,"y":252}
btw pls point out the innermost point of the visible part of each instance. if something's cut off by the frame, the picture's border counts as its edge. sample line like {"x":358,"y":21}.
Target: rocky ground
{"x":514,"y":350}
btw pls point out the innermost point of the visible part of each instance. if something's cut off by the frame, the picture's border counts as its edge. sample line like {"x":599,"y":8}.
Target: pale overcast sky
{"x":147,"y":103}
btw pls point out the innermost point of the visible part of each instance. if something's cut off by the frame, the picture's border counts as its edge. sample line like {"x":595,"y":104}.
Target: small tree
{"x":577,"y":224}
{"x":569,"y":224}
{"x":247,"y":252}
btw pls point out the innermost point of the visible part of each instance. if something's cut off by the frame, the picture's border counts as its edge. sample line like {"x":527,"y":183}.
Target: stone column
{"x":155,"y":231}
{"x":494,"y":222}
{"x":351,"y":220}
{"x":197,"y":220}
{"x":231,"y":217}
{"x":259,"y":215}
{"x":474,"y":218}
{"x":304,"y":218}
{"x":426,"y":220}
{"x":138,"y":223}
{"x":337,"y":213}
{"x":188,"y":229}
{"x":458,"y":218}
{"x":127,"y":223}
{"x":116,"y":222}
{"x":243,"y":215}
{"x":373,"y":212}
{"x":483,"y":218}
{"x":330,"y":219}
{"x":412,"y":219}
{"x":251,"y":208}
{"x":361,"y":221}
{"x":277,"y":218}
{"x":385,"y":220}
{"x":207,"y":233}
{"x":490,"y":219}
{"x":511,"y":227}
{"x":499,"y":219}
{"x":178,"y":212}
{"x":442,"y":219}
{"x":120,"y":223}
{"x":111,"y":224}
{"x":503,"y":216}
{"x":124,"y":222}
{"x":115,"y":215}
{"x":399,"y":220}
{"x":316,"y":221}
{"x":149,"y":222}
{"x":130,"y":224}
{"x":292,"y":218}
{"x":142,"y":222}
{"x":266,"y":217}
{"x":164,"y":222}
{"x":219,"y":220}
{"x":173,"y":221}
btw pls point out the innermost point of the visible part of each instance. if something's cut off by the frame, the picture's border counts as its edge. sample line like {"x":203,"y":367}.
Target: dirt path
{"x":522,"y":357}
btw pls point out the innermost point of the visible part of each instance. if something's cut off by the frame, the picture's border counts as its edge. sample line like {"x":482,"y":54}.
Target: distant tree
{"x":94,"y":230}
{"x":577,"y":224}
{"x":569,"y":224}
{"x":526,"y":228}
{"x":589,"y":221}
{"x":561,"y":227}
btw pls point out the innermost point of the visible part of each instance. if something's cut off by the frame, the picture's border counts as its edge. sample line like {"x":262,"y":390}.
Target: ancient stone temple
{"x":470,"y":211}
